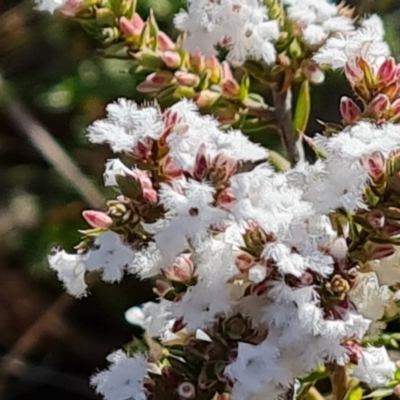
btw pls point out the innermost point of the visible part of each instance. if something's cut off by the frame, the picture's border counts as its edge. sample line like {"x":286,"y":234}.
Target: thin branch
{"x":283,"y":114}
{"x":339,"y":381}
{"x":51,"y":150}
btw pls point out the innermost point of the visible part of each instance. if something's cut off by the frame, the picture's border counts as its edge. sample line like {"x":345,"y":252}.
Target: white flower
{"x":366,"y":42}
{"x":375,"y":367}
{"x":126,"y":125}
{"x":124,"y":379}
{"x":114,"y":168}
{"x":241,"y":25}
{"x":70,"y":270}
{"x":318,"y":18}
{"x":110,"y":255}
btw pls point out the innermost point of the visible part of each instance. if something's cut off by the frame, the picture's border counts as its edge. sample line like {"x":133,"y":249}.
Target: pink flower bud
{"x":206,"y":98}
{"x":354,"y":73}
{"x":376,"y":219}
{"x":197,"y":62}
{"x":230,"y":87}
{"x":70,"y":7}
{"x":226,"y":199}
{"x":392,"y":229}
{"x":147,"y":187}
{"x":354,"y":351}
{"x":395,"y":109}
{"x":378,"y":251}
{"x":186,"y":78}
{"x":244,"y":261}
{"x":387,"y":72}
{"x":170,"y":169}
{"x":181,"y":270}
{"x":201,"y":163}
{"x":133,"y":27}
{"x":374,"y":164}
{"x":155,"y":81}
{"x":164,"y":42}
{"x":349,"y":110}
{"x":313,"y":72}
{"x":97,"y":219}
{"x":171,"y":59}
{"x":213,"y":67}
{"x":379,"y":104}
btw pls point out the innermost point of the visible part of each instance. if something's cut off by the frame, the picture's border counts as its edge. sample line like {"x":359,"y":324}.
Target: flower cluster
{"x":263,"y":276}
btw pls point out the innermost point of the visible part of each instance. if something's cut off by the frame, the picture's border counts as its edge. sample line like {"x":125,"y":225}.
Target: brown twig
{"x":339,"y":380}
{"x":283,"y":114}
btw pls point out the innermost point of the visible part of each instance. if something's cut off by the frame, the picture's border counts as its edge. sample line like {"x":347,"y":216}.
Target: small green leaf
{"x":379,"y":393}
{"x":303,"y":107}
{"x":279,"y":162}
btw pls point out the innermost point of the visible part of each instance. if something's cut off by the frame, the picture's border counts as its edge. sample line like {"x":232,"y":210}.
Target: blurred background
{"x":52,"y":78}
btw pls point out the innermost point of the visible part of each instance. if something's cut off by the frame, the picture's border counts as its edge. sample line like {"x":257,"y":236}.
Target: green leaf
{"x":279,"y":162}
{"x":379,"y":393}
{"x":303,"y":107}
{"x":354,"y":394}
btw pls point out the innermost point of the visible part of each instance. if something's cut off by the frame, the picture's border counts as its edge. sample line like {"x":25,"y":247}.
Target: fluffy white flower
{"x":387,"y":269}
{"x":366,"y":42}
{"x":375,"y":367}
{"x":240,"y":25}
{"x":126,"y":125}
{"x":124,"y":379}
{"x":318,"y":19}
{"x":70,"y":270}
{"x":110,"y":255}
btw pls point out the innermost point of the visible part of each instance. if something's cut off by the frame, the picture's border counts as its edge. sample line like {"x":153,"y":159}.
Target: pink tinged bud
{"x":206,"y":98}
{"x":181,"y":270}
{"x":387,"y":72}
{"x":197,"y":62}
{"x":164,"y":42}
{"x":354,"y":73}
{"x":230,"y":87}
{"x":307,"y":279}
{"x":379,"y":251}
{"x":354,"y":351}
{"x":133,"y":27}
{"x":244,"y":261}
{"x":186,"y":78}
{"x":213,"y":67}
{"x":374,"y":164}
{"x":186,"y":390}
{"x":379,"y":104}
{"x":226,"y":199}
{"x":147,"y":187}
{"x":97,"y":219}
{"x":155,"y":81}
{"x":376,"y":219}
{"x":201,"y":163}
{"x":349,"y":110}
{"x":171,"y":59}
{"x":392,"y":229}
{"x":396,"y":391}
{"x":313,"y":72}
{"x":170,"y":169}
{"x":395,"y":109}
{"x":142,"y":150}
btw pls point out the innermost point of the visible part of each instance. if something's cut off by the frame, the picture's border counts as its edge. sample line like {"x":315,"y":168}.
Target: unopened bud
{"x":374,"y":164}
{"x":197,"y":62}
{"x":164,"y":42}
{"x":171,"y":59}
{"x":133,"y":27}
{"x":186,"y":78}
{"x":376,"y":219}
{"x":213,"y":67}
{"x":181,"y":270}
{"x":378,"y":251}
{"x":395,"y":110}
{"x":387,"y":72}
{"x":206,"y":98}
{"x":230,"y":87}
{"x":313,"y":72}
{"x":354,"y":73}
{"x":146,"y":185}
{"x":379,"y":104}
{"x":349,"y":110}
{"x":97,"y":219}
{"x":155,"y":81}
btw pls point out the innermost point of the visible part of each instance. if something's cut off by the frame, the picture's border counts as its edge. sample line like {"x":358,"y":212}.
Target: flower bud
{"x":97,"y":219}
{"x":379,"y":104}
{"x":387,"y":72}
{"x":197,"y":62}
{"x":313,"y":72}
{"x":146,"y":185}
{"x":213,"y":67}
{"x":244,"y":261}
{"x":349,"y":110}
{"x":395,"y":110}
{"x":186,"y":78}
{"x":354,"y":351}
{"x":354,"y":73}
{"x":226,"y":199}
{"x":374,"y":164}
{"x":155,"y":82}
{"x":171,"y":59}
{"x":206,"y":98}
{"x":181,"y":270}
{"x":230,"y":87}
{"x":376,"y":219}
{"x":338,"y":249}
{"x":133,"y":27}
{"x":164,"y":42}
{"x":378,"y":251}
